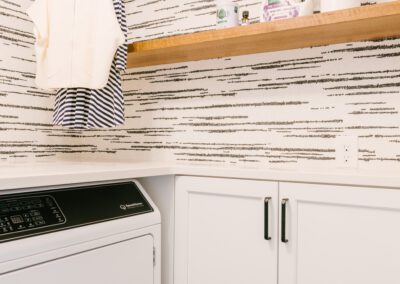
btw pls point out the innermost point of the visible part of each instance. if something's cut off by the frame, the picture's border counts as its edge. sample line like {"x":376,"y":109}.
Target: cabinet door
{"x":339,"y":235}
{"x":220,"y":231}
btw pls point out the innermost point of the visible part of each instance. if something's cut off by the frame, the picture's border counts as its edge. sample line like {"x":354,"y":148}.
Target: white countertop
{"x":14,"y":176}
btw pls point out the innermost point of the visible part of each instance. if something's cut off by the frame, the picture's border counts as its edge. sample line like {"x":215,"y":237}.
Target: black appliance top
{"x":26,"y":214}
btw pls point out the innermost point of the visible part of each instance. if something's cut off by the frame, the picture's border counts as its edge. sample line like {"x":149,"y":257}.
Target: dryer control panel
{"x":23,"y":214}
{"x":28,"y":214}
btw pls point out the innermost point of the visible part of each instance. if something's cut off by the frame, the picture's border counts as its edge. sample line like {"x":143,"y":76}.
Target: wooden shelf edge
{"x":362,"y":23}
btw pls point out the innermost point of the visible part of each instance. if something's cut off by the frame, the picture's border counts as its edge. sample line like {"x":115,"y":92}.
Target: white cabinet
{"x":319,"y":233}
{"x":221,"y":229}
{"x":340,"y":235}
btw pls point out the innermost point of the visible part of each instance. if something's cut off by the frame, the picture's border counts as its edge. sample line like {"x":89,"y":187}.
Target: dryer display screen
{"x":29,"y":213}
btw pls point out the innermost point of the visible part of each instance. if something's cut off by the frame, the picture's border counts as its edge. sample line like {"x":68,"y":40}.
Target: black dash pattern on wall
{"x":283,"y":108}
{"x":258,"y":109}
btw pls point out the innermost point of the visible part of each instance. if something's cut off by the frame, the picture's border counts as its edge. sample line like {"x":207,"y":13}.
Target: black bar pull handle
{"x":266,"y":218}
{"x":283,"y":220}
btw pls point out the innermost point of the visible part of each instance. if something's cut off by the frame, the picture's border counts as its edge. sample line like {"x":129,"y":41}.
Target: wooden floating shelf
{"x":357,"y":24}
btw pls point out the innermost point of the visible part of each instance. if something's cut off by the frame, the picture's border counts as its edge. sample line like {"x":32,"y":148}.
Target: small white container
{"x":227,"y":14}
{"x":306,"y":8}
{"x":333,"y":5}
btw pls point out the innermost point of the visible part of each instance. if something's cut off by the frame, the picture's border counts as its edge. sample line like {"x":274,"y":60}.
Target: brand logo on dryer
{"x":131,"y":206}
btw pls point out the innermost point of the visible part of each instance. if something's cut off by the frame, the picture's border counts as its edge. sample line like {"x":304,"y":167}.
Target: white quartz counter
{"x":14,"y":176}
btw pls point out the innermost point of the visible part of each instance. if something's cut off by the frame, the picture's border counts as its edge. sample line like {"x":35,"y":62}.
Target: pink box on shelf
{"x":279,"y":9}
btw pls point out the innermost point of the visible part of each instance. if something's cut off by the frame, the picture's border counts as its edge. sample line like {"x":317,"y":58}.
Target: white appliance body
{"x":124,"y":250}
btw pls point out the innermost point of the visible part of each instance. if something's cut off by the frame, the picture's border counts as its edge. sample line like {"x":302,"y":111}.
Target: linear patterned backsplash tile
{"x":281,"y":109}
{"x":276,"y":108}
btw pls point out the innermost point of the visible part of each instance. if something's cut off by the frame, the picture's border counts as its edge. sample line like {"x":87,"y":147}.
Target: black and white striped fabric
{"x":81,"y":108}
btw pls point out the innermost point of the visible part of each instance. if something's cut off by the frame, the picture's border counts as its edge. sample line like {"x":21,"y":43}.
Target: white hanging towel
{"x":76,"y":41}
